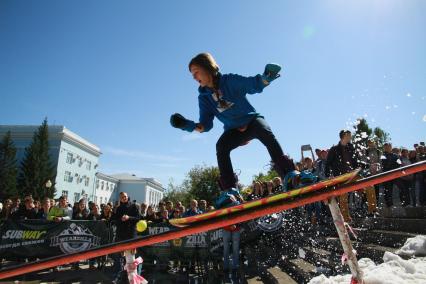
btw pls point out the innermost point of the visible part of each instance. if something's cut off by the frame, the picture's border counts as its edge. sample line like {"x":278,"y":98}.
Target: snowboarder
{"x":224,"y":96}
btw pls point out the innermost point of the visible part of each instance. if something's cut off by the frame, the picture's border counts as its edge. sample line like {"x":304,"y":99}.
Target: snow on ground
{"x":414,"y":246}
{"x":394,"y":269}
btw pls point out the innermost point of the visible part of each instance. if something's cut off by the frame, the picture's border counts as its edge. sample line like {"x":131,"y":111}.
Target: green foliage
{"x":8,"y":167}
{"x":200,"y":183}
{"x":36,"y":168}
{"x":363,"y":133}
{"x":380,"y":137}
{"x":265,"y":177}
{"x":177,"y":193}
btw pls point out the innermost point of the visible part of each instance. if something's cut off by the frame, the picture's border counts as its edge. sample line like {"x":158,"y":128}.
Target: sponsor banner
{"x":40,"y":238}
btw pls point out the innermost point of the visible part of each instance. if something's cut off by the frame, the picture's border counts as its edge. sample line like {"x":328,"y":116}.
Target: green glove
{"x":271,"y":72}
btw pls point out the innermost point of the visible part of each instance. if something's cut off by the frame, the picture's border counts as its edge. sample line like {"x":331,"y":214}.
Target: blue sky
{"x":114,"y":71}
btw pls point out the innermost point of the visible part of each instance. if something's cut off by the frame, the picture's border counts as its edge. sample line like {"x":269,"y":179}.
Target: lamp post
{"x":48,"y":186}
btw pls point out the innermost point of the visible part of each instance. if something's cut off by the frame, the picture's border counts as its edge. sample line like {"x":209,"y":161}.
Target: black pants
{"x":388,"y":192}
{"x":404,"y":191}
{"x":231,"y":139}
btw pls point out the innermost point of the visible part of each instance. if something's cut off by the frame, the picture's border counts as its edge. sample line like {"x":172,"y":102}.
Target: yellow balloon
{"x":141,"y":226}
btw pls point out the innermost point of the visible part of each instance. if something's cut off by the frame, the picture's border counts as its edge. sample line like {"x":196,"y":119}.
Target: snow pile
{"x":393,"y":270}
{"x":414,"y":246}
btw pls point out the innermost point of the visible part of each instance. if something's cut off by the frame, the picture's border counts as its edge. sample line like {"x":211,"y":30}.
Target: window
{"x":69,"y":158}
{"x":67,"y":176}
{"x":97,"y":184}
{"x":86,"y":182}
{"x":102,"y":185}
{"x":64,"y":193}
{"x":76,"y":197}
{"x":88,"y":165}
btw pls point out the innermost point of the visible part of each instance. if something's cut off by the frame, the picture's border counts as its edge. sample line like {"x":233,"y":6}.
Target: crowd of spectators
{"x":339,"y":159}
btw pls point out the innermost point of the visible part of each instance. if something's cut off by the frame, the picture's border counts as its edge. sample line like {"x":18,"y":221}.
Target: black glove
{"x":178,"y":121}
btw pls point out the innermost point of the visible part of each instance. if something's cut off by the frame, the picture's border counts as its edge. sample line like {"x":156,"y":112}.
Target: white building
{"x":105,"y":189}
{"x":76,"y":163}
{"x":74,"y":158}
{"x":143,"y":190}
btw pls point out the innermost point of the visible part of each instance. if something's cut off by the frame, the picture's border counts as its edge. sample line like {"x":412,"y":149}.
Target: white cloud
{"x":192,"y":136}
{"x":141,"y":155}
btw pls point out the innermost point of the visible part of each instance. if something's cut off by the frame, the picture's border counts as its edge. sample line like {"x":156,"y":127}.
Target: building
{"x":76,"y":163}
{"x":143,"y":190}
{"x":74,"y":158}
{"x":106,"y":188}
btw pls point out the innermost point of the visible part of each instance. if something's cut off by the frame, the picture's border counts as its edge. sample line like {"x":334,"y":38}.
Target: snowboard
{"x":345,"y":178}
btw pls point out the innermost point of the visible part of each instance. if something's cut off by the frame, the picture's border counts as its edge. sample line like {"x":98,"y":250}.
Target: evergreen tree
{"x":381,"y":137}
{"x":362,"y":134}
{"x":8,"y":167}
{"x":36,"y":168}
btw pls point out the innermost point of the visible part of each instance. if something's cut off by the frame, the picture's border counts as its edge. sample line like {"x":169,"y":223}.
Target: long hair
{"x":206,"y":61}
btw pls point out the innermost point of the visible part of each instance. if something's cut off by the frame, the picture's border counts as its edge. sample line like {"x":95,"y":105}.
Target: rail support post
{"x":349,"y":252}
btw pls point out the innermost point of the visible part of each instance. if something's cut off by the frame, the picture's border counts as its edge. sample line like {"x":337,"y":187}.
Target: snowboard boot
{"x":228,"y":198}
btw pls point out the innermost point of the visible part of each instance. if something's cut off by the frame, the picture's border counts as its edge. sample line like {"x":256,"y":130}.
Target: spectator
{"x":161,"y":208}
{"x":150,"y":214}
{"x":81,"y":212}
{"x":342,"y":159}
{"x":181,"y":208}
{"x":169,"y":208}
{"x":210,"y":208}
{"x":15,"y":205}
{"x":320,"y":165}
{"x":60,"y":212}
{"x":390,"y":161}
{"x":27,"y":211}
{"x":126,"y":217}
{"x":307,"y":177}
{"x":203,"y":205}
{"x":421,"y":176}
{"x":269,"y":187}
{"x":94,"y":214}
{"x":278,"y":186}
{"x":164,"y":218}
{"x":44,"y":210}
{"x":143,"y":210}
{"x":406,"y":182}
{"x":193,"y":209}
{"x":412,"y":156}
{"x":106,"y":213}
{"x":373,"y":157}
{"x":7,"y":207}
{"x":37,"y":205}
{"x":176,"y":214}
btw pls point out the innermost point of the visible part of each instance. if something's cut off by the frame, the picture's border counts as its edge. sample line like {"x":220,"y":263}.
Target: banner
{"x":41,"y":239}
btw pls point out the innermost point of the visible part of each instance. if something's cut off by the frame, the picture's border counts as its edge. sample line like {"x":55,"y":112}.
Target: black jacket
{"x":341,"y":160}
{"x":24,"y":213}
{"x":127,"y":229}
{"x":390,"y":161}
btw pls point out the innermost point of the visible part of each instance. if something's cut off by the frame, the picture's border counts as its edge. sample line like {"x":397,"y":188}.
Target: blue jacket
{"x":233,"y":109}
